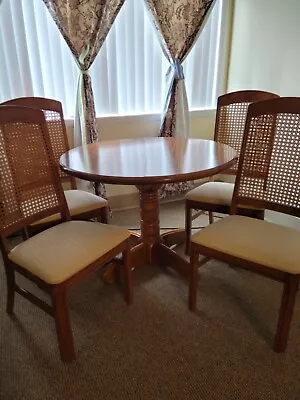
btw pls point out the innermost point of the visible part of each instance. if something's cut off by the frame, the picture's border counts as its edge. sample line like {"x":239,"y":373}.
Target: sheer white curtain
{"x":128,"y":74}
{"x":35,"y":60}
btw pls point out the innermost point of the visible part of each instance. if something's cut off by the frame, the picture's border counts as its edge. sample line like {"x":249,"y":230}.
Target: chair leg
{"x":211,"y":217}
{"x":104,"y":215}
{"x":193,"y":280}
{"x":286,"y":312}
{"x":97,"y":189}
{"x":188,"y":228}
{"x":62,"y":323}
{"x":10,"y":278}
{"x":127,"y":276}
{"x":25,"y":234}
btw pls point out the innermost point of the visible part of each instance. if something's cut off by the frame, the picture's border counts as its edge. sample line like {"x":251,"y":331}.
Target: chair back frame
{"x":268,"y":175}
{"x":56,"y":127}
{"x":26,"y":197}
{"x":231,"y":117}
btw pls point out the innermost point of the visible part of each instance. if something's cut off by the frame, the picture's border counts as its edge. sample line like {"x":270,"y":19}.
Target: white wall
{"x":265,"y":52}
{"x":202,"y":126}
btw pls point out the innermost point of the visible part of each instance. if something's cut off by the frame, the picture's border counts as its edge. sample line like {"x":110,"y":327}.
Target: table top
{"x":148,"y":160}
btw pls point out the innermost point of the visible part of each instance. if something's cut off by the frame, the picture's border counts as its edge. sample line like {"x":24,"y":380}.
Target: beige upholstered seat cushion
{"x":59,"y":252}
{"x":79,"y":201}
{"x":258,"y":241}
{"x":212,"y":192}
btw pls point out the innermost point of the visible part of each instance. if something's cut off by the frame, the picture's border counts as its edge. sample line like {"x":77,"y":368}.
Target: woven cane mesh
{"x":28,"y":174}
{"x":270,"y":169}
{"x":55,"y":124}
{"x":57,"y":137}
{"x":231,"y":117}
{"x":230,"y":125}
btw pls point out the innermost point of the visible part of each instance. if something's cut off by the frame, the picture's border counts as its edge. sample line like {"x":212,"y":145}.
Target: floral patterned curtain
{"x":178,"y":24}
{"x":84,"y":25}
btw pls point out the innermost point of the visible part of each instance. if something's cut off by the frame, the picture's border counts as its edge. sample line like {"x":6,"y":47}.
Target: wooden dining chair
{"x":82,"y":204}
{"x":216,"y":196}
{"x":268,"y":177}
{"x":57,"y":258}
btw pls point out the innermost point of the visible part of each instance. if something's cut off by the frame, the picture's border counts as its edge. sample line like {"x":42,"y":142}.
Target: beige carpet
{"x":155,"y":349}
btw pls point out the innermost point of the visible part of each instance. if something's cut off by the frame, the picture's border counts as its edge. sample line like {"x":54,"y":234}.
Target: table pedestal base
{"x":161,"y":255}
{"x":150,"y":247}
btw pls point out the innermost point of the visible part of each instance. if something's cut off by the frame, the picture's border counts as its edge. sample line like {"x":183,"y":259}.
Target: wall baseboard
{"x":124,"y":201}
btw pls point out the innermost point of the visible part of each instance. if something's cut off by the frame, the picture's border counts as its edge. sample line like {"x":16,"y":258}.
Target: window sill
{"x":128,"y":119}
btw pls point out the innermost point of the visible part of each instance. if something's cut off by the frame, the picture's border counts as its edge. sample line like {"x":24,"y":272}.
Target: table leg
{"x":155,"y":251}
{"x":173,"y":237}
{"x":142,"y":252}
{"x":166,"y":257}
{"x":151,"y":247}
{"x":149,"y":211}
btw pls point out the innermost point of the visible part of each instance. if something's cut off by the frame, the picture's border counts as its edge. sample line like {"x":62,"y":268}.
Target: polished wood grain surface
{"x":148,"y":160}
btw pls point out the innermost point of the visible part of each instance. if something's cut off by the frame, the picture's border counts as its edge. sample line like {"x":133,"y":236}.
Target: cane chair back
{"x":231,"y":117}
{"x":26,"y":197}
{"x":269,"y":168}
{"x":56,"y":127}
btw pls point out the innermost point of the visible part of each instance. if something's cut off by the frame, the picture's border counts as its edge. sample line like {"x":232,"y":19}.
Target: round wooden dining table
{"x":148,"y":163}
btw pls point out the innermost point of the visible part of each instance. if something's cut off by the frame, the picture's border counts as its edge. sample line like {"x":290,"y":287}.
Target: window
{"x":128,"y":74}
